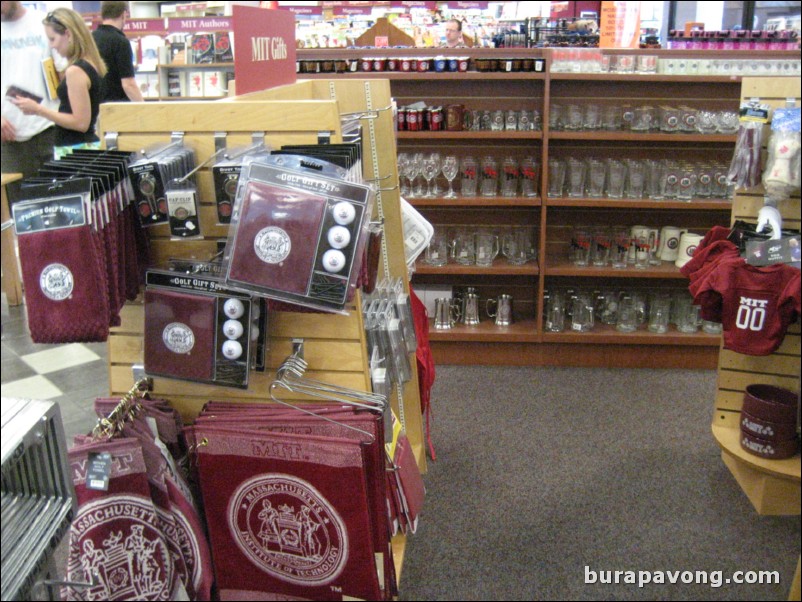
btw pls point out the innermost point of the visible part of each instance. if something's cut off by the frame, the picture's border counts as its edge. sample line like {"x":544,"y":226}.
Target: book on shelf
{"x":203,"y":48}
{"x":195,"y":84}
{"x":51,"y":77}
{"x":223,"y":47}
{"x":214,"y":83}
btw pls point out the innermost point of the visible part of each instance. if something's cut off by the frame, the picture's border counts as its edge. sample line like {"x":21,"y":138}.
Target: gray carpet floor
{"x":548,"y":477}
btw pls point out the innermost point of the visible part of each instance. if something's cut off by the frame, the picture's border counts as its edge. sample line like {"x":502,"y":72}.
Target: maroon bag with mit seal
{"x":287,"y":515}
{"x":115,"y":540}
{"x":63,"y":270}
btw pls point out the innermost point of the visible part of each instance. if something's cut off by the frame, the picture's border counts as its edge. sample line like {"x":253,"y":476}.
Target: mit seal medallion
{"x":272,"y":245}
{"x":56,"y":282}
{"x":288,"y":529}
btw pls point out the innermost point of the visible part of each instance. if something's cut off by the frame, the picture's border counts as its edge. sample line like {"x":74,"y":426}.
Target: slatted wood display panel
{"x":334,"y":345}
{"x":773,"y":486}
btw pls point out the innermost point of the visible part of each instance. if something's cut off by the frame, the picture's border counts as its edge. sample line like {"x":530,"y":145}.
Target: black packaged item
{"x":299,"y":232}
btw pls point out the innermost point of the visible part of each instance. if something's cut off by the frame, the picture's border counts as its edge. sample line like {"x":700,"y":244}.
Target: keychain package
{"x":298,"y":232}
{"x":153,"y":175}
{"x":197,"y":329}
{"x":225,"y":174}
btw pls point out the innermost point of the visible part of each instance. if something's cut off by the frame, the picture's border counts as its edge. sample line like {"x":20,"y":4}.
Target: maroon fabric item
{"x":293,"y":422}
{"x":111,"y":251}
{"x":117,"y":532}
{"x":757,"y":303}
{"x":276,"y":240}
{"x":180,"y":334}
{"x":64,"y":280}
{"x":425,"y":361}
{"x":287,"y":515}
{"x":409,"y":480}
{"x":138,"y":253}
{"x":704,"y":262}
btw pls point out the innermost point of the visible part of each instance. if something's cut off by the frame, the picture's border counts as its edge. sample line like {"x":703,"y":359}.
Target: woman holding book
{"x":80,"y":90}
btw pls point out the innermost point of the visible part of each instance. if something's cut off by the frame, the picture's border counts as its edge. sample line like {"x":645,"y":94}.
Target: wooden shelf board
{"x":646,"y":77}
{"x":604,"y":203}
{"x":730,"y":441}
{"x":427,"y":75}
{"x":500,"y":267}
{"x":197,"y":66}
{"x":470,"y":135}
{"x":635,"y":137}
{"x":560,"y":267}
{"x":487,"y":331}
{"x":604,"y":334}
{"x":482,"y":201}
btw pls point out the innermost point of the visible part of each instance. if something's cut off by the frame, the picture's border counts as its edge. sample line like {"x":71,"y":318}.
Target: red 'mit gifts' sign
{"x":264,"y":48}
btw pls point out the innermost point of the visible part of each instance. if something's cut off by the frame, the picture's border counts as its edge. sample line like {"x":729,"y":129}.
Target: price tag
{"x":98,"y":471}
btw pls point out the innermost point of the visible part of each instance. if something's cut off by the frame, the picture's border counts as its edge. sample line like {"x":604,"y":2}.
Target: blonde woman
{"x":80,"y":90}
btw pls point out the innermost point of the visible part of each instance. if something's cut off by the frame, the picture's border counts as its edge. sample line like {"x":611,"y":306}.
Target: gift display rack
{"x":525,"y":342}
{"x":773,"y":486}
{"x":304,"y":113}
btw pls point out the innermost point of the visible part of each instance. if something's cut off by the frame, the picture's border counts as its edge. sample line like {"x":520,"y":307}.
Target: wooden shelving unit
{"x":552,"y":218}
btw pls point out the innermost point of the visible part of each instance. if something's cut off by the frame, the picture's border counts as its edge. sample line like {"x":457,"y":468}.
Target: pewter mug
{"x":445,"y":313}
{"x":470,"y":309}
{"x":503,"y":313}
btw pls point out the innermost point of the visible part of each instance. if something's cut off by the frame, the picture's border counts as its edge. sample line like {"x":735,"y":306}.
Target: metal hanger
{"x":291,"y":377}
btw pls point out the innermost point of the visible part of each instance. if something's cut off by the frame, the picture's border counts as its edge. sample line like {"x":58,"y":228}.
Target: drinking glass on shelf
{"x":727,"y":122}
{"x":575,"y":178}
{"x":488,"y":184}
{"x":509,"y":177}
{"x":654,"y":179}
{"x":431,"y":167}
{"x":659,"y":313}
{"x":611,"y":117}
{"x":596,"y":178}
{"x":636,"y":177}
{"x":403,"y":167}
{"x":555,"y":312}
{"x":450,"y":168}
{"x":687,"y":183}
{"x":600,"y":248}
{"x":671,"y":180}
{"x":529,"y":176}
{"x":581,"y":240}
{"x":515,"y":245}
{"x":627,"y":319}
{"x":704,"y":181}
{"x":642,"y":247}
{"x":556,"y":177}
{"x":582,"y":312}
{"x":556,"y":118}
{"x":415,"y":170}
{"x":468,"y":172}
{"x":592,"y":117}
{"x":619,"y":247}
{"x":616,"y":178}
{"x":573,"y":117}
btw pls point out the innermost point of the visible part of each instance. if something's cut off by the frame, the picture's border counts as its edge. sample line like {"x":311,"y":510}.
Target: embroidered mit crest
{"x":287,"y":515}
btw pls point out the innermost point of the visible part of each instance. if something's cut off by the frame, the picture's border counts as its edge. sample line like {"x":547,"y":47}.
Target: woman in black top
{"x":80,"y":90}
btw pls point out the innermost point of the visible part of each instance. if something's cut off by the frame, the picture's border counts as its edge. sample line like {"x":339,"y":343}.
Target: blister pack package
{"x":298,"y":232}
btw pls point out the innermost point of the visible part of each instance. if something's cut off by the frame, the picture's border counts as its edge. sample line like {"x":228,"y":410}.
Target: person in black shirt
{"x":120,"y":82}
{"x":80,"y":89}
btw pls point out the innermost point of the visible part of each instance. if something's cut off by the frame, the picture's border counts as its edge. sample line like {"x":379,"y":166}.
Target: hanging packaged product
{"x":745,"y":169}
{"x":781,"y":176}
{"x":197,"y":329}
{"x":225,"y":174}
{"x":160,"y":169}
{"x":63,"y":260}
{"x":298,"y":232}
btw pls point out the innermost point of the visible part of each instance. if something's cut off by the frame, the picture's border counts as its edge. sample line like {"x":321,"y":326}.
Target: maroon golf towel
{"x":287,"y":516}
{"x":410,"y":483}
{"x":65,"y":285}
{"x":276,"y":239}
{"x":116,"y":538}
{"x":179,"y":334}
{"x":293,"y":422}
